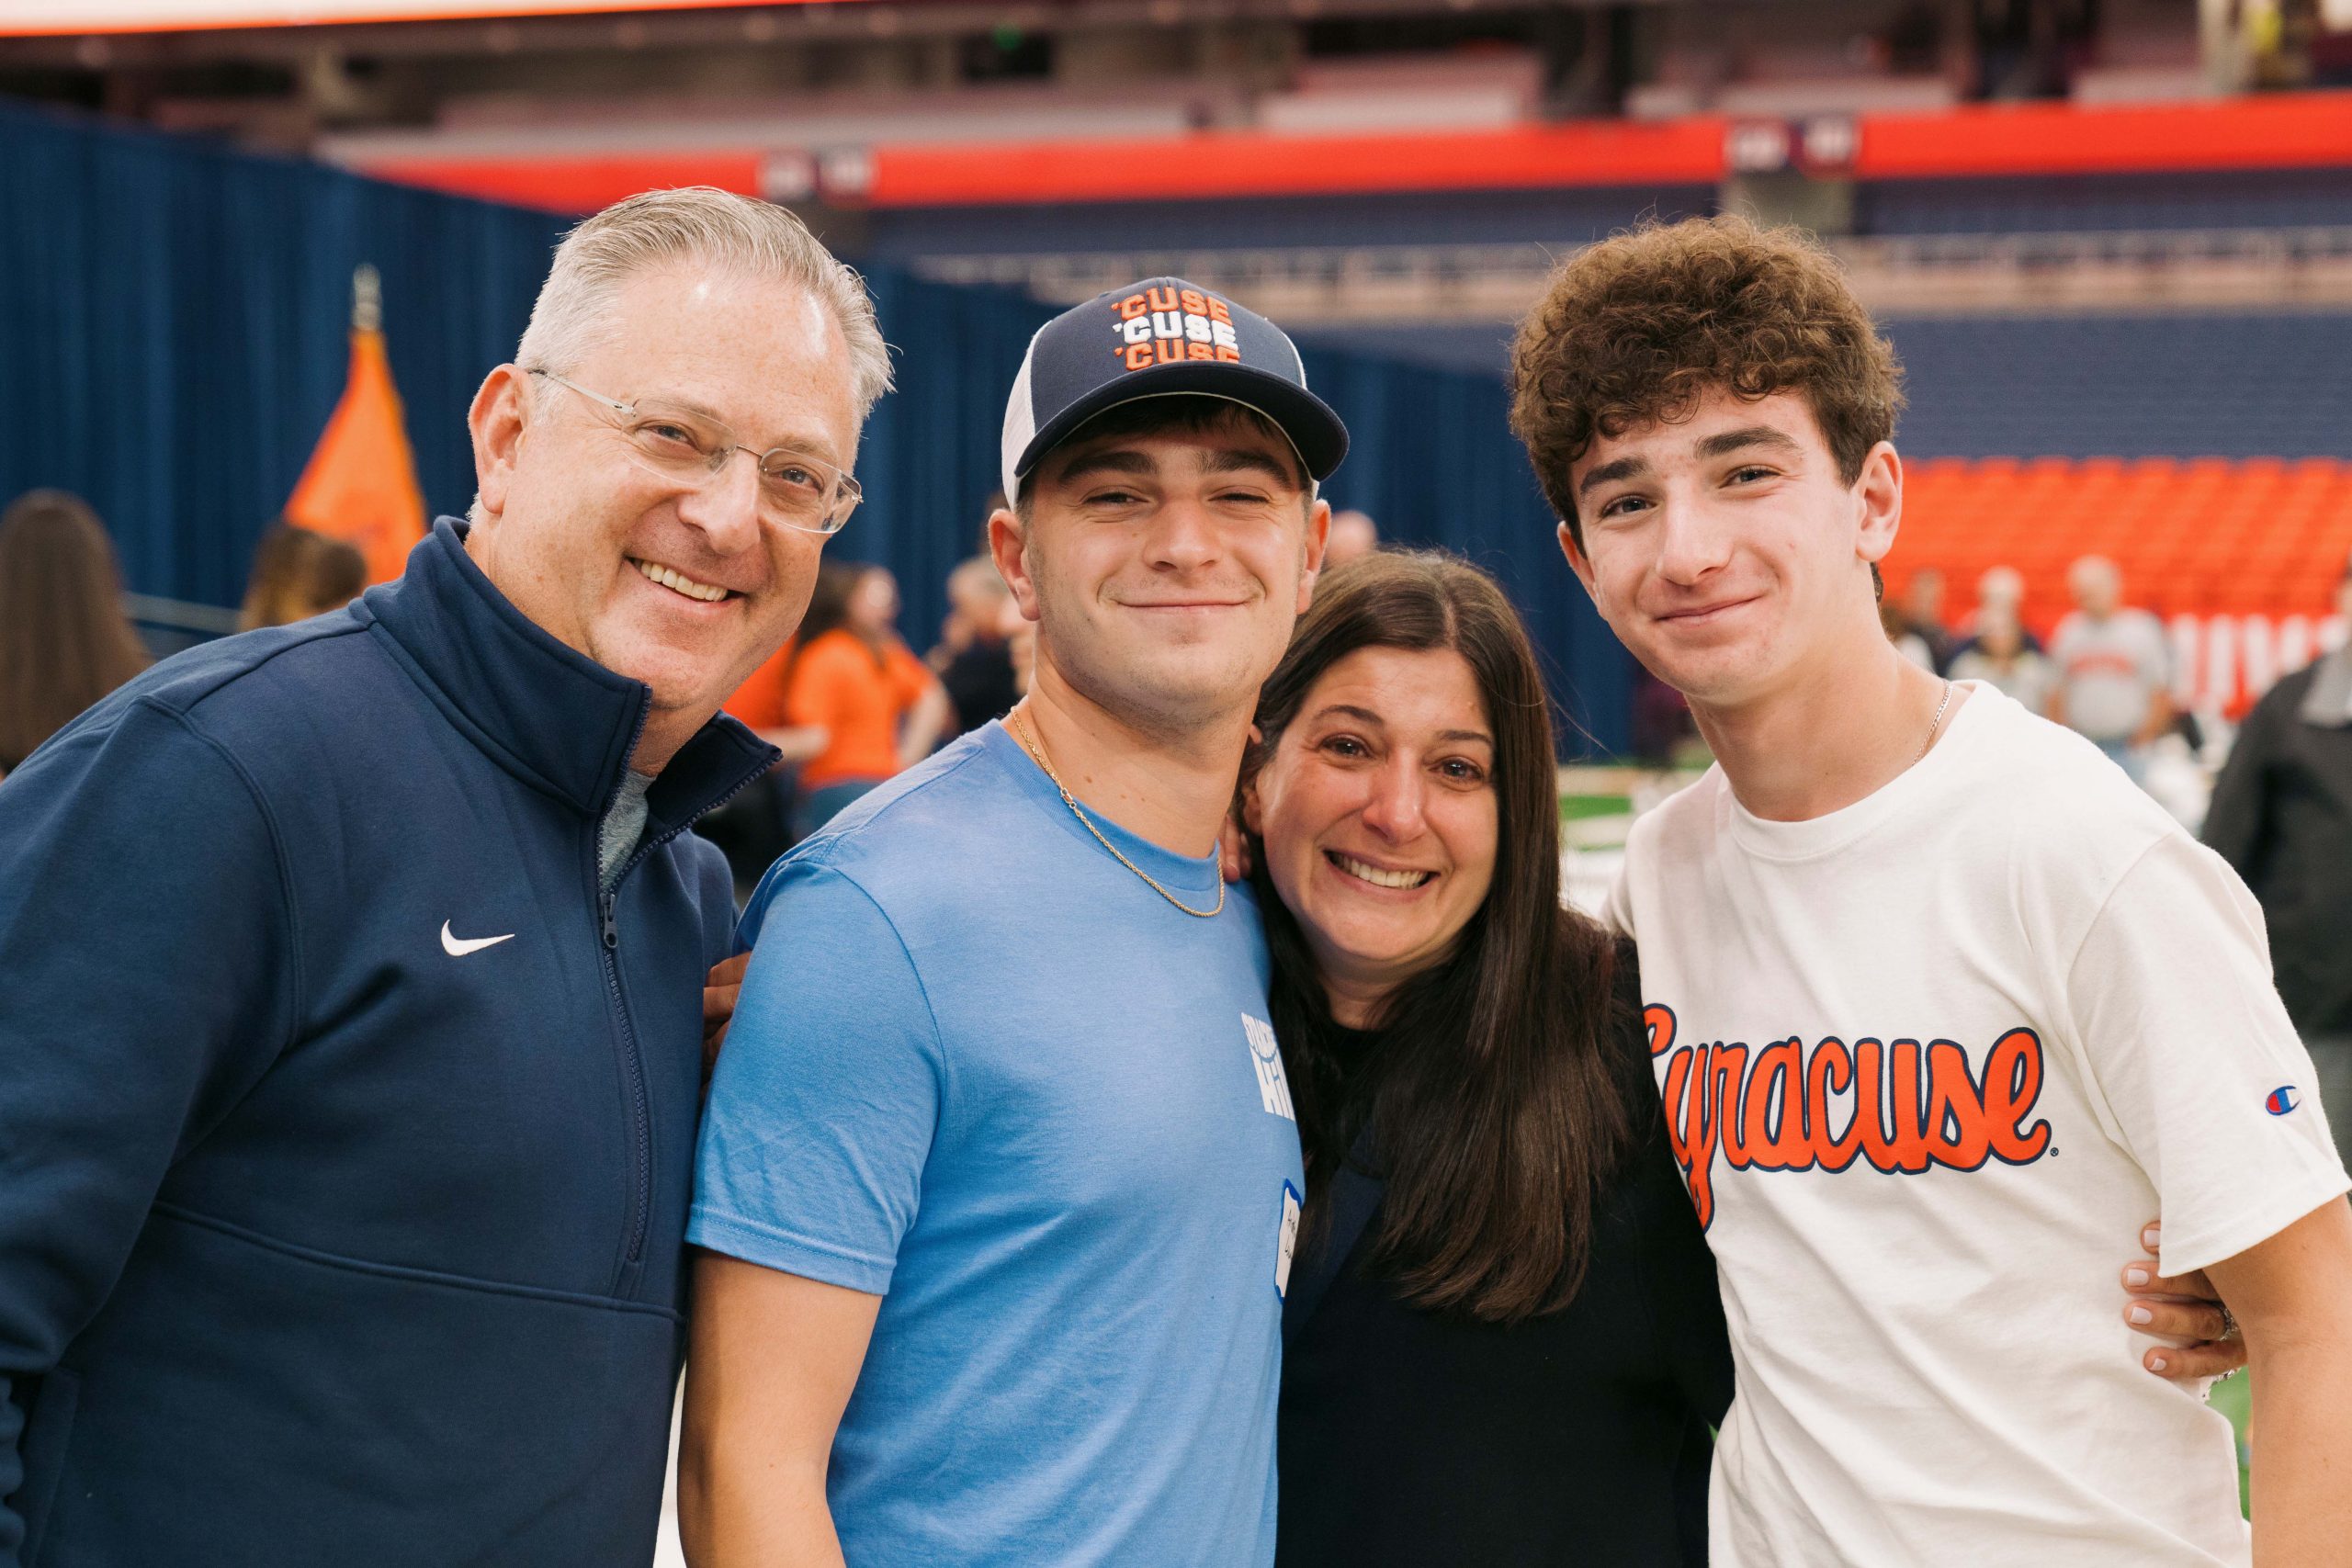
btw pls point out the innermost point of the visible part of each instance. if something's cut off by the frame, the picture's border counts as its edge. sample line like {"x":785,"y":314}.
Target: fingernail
{"x":2157,"y":1364}
{"x":2151,"y":1235}
{"x":2139,"y":1315}
{"x":2136,"y":1278}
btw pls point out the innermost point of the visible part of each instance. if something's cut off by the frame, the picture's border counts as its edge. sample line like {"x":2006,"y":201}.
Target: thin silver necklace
{"x":1934,"y":725}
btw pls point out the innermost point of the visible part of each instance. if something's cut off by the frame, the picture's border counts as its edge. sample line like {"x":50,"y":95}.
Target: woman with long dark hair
{"x":64,"y":640}
{"x":299,"y":573}
{"x":1505,"y":1342}
{"x":878,"y":708}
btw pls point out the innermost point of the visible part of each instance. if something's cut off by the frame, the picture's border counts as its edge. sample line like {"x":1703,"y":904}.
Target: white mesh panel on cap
{"x":1020,"y":423}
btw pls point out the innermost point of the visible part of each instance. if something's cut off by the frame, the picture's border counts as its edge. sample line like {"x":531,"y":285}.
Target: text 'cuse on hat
{"x":1154,"y":339}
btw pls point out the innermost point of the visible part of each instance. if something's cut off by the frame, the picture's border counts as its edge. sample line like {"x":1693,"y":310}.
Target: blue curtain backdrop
{"x":173,"y":335}
{"x":174,"y":331}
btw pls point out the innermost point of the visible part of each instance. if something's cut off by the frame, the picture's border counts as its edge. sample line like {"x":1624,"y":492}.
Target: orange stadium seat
{"x":2213,"y":546}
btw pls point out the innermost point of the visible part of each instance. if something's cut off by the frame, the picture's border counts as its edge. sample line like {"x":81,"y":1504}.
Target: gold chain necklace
{"x":1018,"y":723}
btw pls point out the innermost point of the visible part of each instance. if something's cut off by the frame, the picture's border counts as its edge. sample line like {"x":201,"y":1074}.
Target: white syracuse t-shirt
{"x":1930,"y":1062}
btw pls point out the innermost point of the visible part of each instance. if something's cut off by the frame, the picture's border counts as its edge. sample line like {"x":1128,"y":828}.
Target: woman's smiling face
{"x":1378,"y":816}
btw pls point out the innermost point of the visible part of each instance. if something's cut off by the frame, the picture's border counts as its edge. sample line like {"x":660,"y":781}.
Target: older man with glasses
{"x":351,"y":1048}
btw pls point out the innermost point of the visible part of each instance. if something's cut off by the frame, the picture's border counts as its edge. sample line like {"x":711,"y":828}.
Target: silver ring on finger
{"x":2229,"y":1322}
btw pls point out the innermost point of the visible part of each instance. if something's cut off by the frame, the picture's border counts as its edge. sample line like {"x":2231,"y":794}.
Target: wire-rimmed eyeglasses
{"x":796,"y":490}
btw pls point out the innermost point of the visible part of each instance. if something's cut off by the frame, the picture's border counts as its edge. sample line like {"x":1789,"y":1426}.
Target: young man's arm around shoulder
{"x":774,"y":1357}
{"x":2292,"y":1298}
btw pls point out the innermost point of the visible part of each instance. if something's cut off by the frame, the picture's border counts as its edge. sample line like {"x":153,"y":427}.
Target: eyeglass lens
{"x":798,"y":491}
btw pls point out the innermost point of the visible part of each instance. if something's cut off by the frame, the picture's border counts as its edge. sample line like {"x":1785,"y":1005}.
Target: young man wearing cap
{"x":1938,"y":1001}
{"x":996,"y":1191}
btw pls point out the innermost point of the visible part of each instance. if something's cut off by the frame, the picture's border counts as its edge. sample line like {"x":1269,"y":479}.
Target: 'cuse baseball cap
{"x":1162,"y":337}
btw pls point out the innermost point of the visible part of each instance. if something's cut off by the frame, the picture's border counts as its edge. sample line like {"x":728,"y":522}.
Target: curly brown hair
{"x":1633,"y":331}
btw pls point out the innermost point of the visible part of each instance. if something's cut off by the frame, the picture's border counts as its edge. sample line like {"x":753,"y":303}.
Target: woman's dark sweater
{"x":1576,"y":1439}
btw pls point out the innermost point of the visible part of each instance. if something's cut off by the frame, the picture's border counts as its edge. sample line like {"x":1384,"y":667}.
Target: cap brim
{"x":1314,"y":430}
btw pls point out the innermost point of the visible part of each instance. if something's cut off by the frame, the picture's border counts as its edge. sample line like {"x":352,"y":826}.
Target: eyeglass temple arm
{"x":598,"y":397}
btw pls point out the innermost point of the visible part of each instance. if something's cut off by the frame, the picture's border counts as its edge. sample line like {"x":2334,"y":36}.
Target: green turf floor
{"x":1576,"y":807}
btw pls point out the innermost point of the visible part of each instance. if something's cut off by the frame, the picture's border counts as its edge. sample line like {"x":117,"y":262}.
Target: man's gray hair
{"x":697,"y":225}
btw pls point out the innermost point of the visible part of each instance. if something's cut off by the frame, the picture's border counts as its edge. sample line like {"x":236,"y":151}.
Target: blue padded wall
{"x":2238,"y":385}
{"x":2248,"y":198}
{"x":2240,"y":198}
{"x":2221,"y":386}
{"x":1429,"y":217}
{"x":1476,"y":348}
{"x":174,"y":330}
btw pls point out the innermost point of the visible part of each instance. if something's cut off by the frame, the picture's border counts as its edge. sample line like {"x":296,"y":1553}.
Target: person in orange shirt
{"x":759,"y":700}
{"x":880,"y":708}
{"x":756,"y":827}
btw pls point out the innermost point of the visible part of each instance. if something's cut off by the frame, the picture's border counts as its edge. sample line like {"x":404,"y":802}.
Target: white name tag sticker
{"x":1287,"y":1243}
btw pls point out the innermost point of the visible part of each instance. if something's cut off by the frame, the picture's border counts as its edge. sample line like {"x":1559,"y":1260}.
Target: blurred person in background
{"x":1904,"y":636}
{"x":762,"y":704}
{"x":2282,"y":815}
{"x":756,"y":826}
{"x":1998,"y":656}
{"x":299,"y":573}
{"x":852,"y":681}
{"x":1923,"y":615}
{"x":1353,"y":533}
{"x":1504,"y":1342}
{"x":64,"y":640}
{"x":1020,"y":634}
{"x":1999,"y":592}
{"x":2112,"y":668}
{"x":972,"y":660}
{"x":352,"y":1047}
{"x":1662,"y":729}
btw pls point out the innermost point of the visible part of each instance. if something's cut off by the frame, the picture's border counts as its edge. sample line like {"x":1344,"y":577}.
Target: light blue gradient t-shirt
{"x":980,"y":1069}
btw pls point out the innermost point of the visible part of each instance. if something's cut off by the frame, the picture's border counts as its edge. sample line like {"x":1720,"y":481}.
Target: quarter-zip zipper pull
{"x":612,"y":927}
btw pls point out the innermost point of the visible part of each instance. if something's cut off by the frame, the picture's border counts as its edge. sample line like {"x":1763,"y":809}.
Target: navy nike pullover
{"x":333,"y":1231}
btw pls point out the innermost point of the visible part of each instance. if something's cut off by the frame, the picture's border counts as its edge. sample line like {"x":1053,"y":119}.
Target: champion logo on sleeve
{"x":2282,"y":1099}
{"x":1266,"y":1058}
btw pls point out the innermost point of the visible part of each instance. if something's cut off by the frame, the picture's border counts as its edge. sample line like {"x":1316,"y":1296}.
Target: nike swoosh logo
{"x":457,"y":947}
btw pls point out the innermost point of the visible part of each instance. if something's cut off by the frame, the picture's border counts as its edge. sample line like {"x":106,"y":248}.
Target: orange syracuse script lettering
{"x":1899,"y":1106}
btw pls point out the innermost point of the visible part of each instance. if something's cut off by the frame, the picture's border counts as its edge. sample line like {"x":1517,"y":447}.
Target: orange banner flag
{"x":360,"y":484}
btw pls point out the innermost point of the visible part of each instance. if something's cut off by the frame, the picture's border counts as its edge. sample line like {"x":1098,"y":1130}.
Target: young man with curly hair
{"x":1938,"y":1001}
